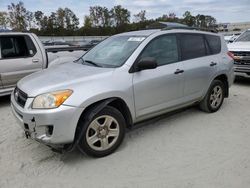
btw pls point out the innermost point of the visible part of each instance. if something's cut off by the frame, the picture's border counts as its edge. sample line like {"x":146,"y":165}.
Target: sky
{"x":225,"y":11}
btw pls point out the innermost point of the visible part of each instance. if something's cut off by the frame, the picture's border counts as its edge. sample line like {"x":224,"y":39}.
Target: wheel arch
{"x":224,"y":79}
{"x":90,"y":111}
{"x":115,"y":102}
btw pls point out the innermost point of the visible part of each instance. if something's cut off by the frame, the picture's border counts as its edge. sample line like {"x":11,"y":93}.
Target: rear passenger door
{"x":198,"y":65}
{"x":19,"y":57}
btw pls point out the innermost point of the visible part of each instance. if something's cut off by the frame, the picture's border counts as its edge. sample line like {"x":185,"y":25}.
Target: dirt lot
{"x":189,"y":149}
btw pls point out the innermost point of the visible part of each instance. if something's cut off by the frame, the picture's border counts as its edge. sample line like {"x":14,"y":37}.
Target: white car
{"x":231,"y":38}
{"x":240,"y":49}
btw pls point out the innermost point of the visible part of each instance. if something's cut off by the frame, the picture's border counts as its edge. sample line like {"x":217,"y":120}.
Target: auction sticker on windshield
{"x":136,"y":39}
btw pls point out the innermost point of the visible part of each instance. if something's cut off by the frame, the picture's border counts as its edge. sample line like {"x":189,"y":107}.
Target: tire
{"x":208,"y":104}
{"x":103,"y":134}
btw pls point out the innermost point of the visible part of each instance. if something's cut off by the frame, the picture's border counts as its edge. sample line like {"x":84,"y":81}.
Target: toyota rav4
{"x":125,"y":79}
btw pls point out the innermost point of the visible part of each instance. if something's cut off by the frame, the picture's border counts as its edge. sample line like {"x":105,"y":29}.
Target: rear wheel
{"x":103,"y":134}
{"x":214,"y":97}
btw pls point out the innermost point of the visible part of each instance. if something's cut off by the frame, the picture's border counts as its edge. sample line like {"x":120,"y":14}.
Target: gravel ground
{"x":188,"y":149}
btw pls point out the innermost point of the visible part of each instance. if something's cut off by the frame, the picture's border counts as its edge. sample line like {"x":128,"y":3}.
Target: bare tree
{"x":3,"y":20}
{"x":141,"y":16}
{"x":30,"y":19}
{"x":120,"y":15}
{"x":71,"y":21}
{"x":100,"y":16}
{"x":18,"y":16}
{"x":39,"y":16}
{"x":60,"y":18}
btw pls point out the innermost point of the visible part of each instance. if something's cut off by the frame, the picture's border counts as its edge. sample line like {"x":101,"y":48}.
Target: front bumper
{"x":242,"y":70}
{"x":242,"y":74}
{"x":63,"y":121}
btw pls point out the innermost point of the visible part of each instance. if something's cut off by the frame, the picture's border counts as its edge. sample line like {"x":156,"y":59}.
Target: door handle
{"x":35,"y":60}
{"x":212,"y":64}
{"x":178,"y":71}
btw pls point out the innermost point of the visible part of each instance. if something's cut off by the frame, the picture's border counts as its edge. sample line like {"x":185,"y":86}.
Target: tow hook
{"x":27,"y":134}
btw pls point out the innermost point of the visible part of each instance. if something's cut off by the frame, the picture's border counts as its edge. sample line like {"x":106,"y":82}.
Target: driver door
{"x":157,"y":89}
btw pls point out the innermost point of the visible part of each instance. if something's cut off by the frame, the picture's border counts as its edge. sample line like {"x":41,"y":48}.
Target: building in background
{"x":234,"y":27}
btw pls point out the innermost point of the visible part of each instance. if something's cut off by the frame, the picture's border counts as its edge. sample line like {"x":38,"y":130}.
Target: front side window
{"x":192,"y":46}
{"x":164,"y":49}
{"x":13,"y":47}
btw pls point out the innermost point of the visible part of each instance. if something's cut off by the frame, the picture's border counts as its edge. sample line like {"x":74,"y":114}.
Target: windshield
{"x":245,"y":37}
{"x":112,"y":52}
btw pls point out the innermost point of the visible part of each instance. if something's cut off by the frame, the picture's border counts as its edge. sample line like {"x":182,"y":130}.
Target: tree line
{"x":99,"y":21}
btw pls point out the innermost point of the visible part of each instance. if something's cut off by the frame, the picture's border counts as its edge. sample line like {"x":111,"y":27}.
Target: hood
{"x":64,"y":76}
{"x":239,"y":46}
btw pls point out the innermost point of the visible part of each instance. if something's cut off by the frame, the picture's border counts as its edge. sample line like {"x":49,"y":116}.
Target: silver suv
{"x":125,"y":79}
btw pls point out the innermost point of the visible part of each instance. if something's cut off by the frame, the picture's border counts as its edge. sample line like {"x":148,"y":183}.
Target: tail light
{"x":230,"y":54}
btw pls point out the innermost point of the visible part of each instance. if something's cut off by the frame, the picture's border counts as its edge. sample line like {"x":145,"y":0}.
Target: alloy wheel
{"x":102,"y":133}
{"x":216,"y":97}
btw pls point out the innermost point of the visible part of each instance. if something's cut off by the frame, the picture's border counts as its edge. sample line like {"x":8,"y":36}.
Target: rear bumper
{"x":50,"y":126}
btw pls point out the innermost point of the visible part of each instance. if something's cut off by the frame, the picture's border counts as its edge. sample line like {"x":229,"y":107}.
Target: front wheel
{"x":103,"y":134}
{"x":214,"y":97}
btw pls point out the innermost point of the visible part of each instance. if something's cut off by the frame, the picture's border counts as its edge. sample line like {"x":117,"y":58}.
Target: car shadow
{"x":76,"y":156}
{"x":242,"y":81}
{"x":4,"y":101}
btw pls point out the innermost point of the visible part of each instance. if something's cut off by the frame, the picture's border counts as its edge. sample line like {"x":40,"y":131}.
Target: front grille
{"x":20,"y":97}
{"x":242,"y":62}
{"x":241,"y":53}
{"x":242,"y":58}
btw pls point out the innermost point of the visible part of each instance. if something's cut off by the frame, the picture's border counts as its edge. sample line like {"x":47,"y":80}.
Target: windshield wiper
{"x":89,"y":62}
{"x":92,"y":63}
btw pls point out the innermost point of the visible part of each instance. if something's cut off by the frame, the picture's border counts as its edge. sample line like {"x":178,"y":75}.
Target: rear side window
{"x":214,"y":44}
{"x":192,"y":46}
{"x":14,"y":47}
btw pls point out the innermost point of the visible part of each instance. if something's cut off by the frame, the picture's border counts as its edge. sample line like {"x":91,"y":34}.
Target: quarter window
{"x":192,"y":46}
{"x":164,"y":49}
{"x":214,"y":44}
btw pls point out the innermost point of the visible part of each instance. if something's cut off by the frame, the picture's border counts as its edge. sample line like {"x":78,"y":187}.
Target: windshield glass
{"x":112,"y":52}
{"x":245,"y":37}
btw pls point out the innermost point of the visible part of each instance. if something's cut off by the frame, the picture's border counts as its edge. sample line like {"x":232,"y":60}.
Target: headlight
{"x":51,"y":100}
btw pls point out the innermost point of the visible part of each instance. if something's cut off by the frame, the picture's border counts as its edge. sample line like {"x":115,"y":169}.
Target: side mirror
{"x":146,"y":63}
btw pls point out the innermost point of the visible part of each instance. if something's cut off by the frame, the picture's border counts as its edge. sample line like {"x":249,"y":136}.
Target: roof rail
{"x":191,"y":28}
{"x":170,"y":28}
